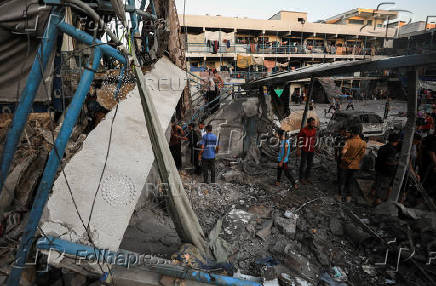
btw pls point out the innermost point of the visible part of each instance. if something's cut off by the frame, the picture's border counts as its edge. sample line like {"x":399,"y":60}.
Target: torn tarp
{"x":22,"y":25}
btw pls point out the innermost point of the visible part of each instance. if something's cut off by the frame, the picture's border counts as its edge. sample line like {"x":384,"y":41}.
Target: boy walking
{"x":283,"y":158}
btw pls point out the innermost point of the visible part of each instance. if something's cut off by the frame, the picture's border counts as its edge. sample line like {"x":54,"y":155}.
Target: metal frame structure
{"x":55,"y":25}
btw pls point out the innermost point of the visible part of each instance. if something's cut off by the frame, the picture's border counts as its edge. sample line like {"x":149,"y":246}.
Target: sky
{"x":316,"y":9}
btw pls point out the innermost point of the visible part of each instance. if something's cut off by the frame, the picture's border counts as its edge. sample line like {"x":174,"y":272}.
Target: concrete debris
{"x":302,"y":266}
{"x":125,"y":174}
{"x":288,"y":280}
{"x":329,"y":281}
{"x":232,"y":176}
{"x":8,"y":193}
{"x":387,"y":208}
{"x":287,"y":226}
{"x":220,"y":248}
{"x":265,"y":229}
{"x":260,"y":211}
{"x":336,"y":227}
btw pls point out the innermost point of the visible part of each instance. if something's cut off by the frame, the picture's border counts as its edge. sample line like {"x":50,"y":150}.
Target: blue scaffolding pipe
{"x":83,"y":252}
{"x":51,"y":168}
{"x":34,"y":79}
{"x":89,"y":40}
{"x":26,"y":99}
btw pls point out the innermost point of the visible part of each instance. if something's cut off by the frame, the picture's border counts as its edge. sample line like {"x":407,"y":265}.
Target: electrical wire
{"x":62,"y":169}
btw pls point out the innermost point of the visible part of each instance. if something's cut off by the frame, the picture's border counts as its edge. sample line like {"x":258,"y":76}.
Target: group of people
{"x":422,"y":166}
{"x":298,"y":97}
{"x":203,"y":145}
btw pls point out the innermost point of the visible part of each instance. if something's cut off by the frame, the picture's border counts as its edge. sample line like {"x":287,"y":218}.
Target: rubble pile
{"x":305,"y":237}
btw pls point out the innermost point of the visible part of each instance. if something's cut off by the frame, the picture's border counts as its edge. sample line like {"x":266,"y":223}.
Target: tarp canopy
{"x":17,"y":51}
{"x":219,"y":36}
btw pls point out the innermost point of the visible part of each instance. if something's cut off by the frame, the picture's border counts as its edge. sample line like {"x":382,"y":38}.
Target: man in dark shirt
{"x":175,"y":144}
{"x":433,"y":114}
{"x":385,"y":167}
{"x":194,"y":137}
{"x":428,"y":164}
{"x":306,"y":142}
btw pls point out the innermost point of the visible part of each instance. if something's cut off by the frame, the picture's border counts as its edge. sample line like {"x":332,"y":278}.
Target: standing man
{"x":201,"y":128}
{"x":338,"y":104}
{"x":387,"y":108}
{"x":305,"y":149}
{"x":352,"y":153}
{"x":283,"y":158}
{"x":428,"y":164}
{"x":219,"y":84}
{"x":194,"y":139}
{"x":211,"y":91}
{"x":350,"y":102}
{"x":332,"y":105}
{"x":428,"y":124}
{"x":177,"y":135}
{"x":207,"y":154}
{"x":385,"y":167}
{"x":433,"y":115}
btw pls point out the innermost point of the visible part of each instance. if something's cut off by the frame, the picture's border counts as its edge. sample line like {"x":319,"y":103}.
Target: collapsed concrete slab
{"x":128,"y":164}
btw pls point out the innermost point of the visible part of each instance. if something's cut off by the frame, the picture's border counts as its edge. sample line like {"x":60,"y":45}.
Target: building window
{"x":359,"y":22}
{"x":379,"y":25}
{"x":369,"y":22}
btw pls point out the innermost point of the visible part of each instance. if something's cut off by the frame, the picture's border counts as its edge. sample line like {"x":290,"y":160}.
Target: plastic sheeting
{"x":219,"y":36}
{"x":17,"y":50}
{"x":196,"y":38}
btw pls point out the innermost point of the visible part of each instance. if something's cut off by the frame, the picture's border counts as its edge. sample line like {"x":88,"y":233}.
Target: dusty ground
{"x":325,"y":232}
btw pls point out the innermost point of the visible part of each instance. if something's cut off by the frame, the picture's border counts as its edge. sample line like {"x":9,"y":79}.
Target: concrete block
{"x":129,"y":162}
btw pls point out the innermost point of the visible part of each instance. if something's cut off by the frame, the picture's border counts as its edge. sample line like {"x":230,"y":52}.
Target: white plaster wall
{"x":130,"y":160}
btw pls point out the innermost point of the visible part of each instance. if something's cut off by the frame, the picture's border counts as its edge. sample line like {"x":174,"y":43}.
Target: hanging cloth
{"x":252,"y":47}
{"x":215,"y":47}
{"x":244,"y":61}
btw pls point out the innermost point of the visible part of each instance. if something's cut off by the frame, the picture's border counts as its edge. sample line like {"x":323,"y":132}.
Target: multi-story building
{"x":252,"y":47}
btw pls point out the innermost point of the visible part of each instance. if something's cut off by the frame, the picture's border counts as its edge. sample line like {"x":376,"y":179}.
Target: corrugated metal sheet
{"x":342,"y":67}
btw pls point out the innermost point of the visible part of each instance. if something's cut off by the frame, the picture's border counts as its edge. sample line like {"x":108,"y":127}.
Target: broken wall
{"x":128,"y":164}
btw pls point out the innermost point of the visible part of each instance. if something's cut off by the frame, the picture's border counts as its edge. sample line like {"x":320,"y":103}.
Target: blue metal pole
{"x":51,"y":168}
{"x":87,"y":39}
{"x":84,"y":252}
{"x":27,"y":97}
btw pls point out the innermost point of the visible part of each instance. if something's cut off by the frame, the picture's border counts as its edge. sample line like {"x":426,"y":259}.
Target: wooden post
{"x":409,"y":131}
{"x":308,"y":99}
{"x":185,"y":220}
